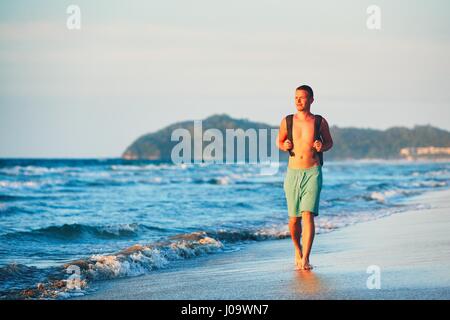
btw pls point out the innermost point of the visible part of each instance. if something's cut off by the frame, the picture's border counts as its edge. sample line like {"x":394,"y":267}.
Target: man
{"x":303,"y":181}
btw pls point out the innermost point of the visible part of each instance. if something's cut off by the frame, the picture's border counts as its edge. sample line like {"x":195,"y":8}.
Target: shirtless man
{"x":303,"y":181}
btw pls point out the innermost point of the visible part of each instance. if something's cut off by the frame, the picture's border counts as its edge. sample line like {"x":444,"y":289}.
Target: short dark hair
{"x":307,"y":89}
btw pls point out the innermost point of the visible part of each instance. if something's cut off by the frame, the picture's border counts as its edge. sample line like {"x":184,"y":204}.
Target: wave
{"x":107,"y":181}
{"x":236,"y":236}
{"x":19,"y":281}
{"x":34,"y":170}
{"x":380,"y":186}
{"x":382,"y":196}
{"x":132,"y":261}
{"x":219,"y":180}
{"x":9,"y":198}
{"x":32,"y":184}
{"x":97,"y":182}
{"x":139,"y":259}
{"x":437,"y":173}
{"x":79,"y":231}
{"x":382,"y":191}
{"x":378,"y":196}
{"x":19,"y":184}
{"x":148,"y":167}
{"x":153,"y":180}
{"x":6,"y":209}
{"x":429,"y":184}
{"x":334,"y":222}
{"x":15,"y":270}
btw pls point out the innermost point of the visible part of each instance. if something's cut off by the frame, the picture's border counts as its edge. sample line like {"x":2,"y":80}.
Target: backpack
{"x":317,"y":136}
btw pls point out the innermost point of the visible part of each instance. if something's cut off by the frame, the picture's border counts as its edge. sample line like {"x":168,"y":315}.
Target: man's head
{"x":304,"y":96}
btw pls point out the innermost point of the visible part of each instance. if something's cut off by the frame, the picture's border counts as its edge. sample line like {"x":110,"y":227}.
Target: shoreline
{"x":408,"y":248}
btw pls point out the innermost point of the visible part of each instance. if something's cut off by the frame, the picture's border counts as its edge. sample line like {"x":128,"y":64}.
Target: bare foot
{"x":306,"y":265}
{"x":298,"y":261}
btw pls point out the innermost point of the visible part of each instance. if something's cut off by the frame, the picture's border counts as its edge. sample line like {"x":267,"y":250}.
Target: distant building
{"x":425,"y":152}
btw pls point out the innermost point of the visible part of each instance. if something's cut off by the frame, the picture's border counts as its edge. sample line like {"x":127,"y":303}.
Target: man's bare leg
{"x":295,"y":227}
{"x":308,"y":238}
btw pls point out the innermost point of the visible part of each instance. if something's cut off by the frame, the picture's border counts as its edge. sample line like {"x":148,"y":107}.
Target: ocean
{"x":100,"y":219}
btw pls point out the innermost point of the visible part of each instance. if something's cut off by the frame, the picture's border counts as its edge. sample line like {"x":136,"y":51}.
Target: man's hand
{"x":317,"y":145}
{"x":287,"y":145}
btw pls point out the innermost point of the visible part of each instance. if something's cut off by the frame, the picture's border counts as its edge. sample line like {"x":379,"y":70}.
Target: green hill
{"x":349,"y":143}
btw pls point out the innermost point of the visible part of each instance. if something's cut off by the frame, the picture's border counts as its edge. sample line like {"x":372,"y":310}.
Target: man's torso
{"x":303,"y":139}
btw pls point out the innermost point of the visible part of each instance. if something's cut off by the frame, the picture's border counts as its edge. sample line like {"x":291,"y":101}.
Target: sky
{"x":137,"y":66}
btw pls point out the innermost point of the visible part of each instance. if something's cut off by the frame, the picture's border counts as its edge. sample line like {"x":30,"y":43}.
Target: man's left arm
{"x":327,"y":142}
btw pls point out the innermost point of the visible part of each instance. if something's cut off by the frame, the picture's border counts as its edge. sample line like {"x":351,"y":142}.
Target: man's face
{"x":302,"y":100}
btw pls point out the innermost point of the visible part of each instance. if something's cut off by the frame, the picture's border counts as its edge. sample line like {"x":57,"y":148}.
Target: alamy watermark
{"x":374,"y":280}
{"x":74,"y":280}
{"x":374,"y":19}
{"x":73,"y":21}
{"x":229,"y":149}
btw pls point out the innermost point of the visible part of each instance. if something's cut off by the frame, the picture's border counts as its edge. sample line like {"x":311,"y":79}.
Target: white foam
{"x":90,"y":174}
{"x":141,"y":259}
{"x":274,"y":232}
{"x":152,"y":180}
{"x":132,"y":167}
{"x":326,"y":224}
{"x":440,"y":173}
{"x":118,"y":228}
{"x":115,"y":266}
{"x":19,"y":184}
{"x":431,"y":184}
{"x":382,"y":196}
{"x":222,"y":180}
{"x":33,"y":170}
{"x":29,"y":184}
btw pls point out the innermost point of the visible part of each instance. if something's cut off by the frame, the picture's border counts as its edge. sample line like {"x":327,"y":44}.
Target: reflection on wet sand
{"x":307,"y":282}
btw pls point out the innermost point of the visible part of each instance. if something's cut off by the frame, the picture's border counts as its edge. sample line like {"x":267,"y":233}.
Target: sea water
{"x":115,"y":218}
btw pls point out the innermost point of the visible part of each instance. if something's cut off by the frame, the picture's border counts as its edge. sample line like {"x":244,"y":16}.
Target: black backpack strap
{"x":317,"y":135}
{"x":289,"y":120}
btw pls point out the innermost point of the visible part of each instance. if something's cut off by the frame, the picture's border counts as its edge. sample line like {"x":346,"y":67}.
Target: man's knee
{"x":308,"y":215}
{"x":295,"y":221}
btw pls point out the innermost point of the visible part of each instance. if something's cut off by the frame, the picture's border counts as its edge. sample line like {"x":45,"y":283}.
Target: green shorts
{"x":302,"y":188}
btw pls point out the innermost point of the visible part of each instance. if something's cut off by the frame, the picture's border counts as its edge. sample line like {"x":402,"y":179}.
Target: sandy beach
{"x":411,"y":250}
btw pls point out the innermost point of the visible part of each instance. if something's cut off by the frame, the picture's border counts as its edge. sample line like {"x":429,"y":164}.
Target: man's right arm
{"x":282,"y":136}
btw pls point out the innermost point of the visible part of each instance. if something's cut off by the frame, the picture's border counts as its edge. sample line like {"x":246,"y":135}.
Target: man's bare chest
{"x":303,"y":131}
